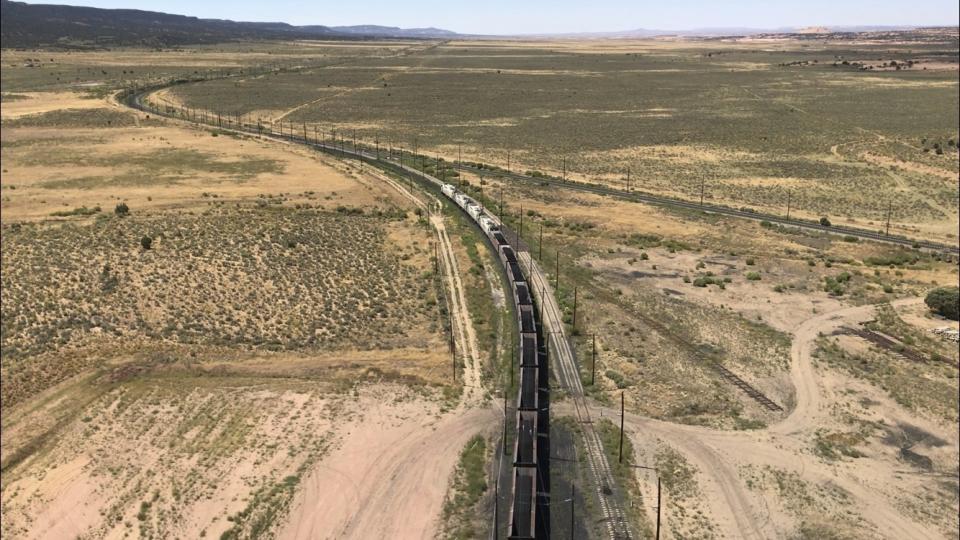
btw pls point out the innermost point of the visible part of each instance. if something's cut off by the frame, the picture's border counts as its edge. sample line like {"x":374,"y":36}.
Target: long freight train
{"x":530,"y":508}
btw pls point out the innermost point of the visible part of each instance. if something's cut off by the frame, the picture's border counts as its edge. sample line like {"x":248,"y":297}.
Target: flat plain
{"x":204,"y":331}
{"x":751,"y":123}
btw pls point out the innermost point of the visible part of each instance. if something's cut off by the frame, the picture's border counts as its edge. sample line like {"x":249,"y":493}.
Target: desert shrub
{"x":617,"y":378}
{"x":121,"y":209}
{"x":945,"y":301}
{"x":834,"y":285}
{"x":82,"y":211}
{"x":146,"y":242}
{"x":825,"y":221}
{"x":897,"y":258}
{"x":753,"y":276}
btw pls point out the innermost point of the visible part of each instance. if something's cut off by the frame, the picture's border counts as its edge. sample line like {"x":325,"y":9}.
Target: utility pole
{"x":504,"y":438}
{"x":574,"y":325}
{"x":540,"y":244}
{"x":702,"y":181}
{"x":508,"y":161}
{"x":659,"y":504}
{"x":628,"y":179}
{"x":789,"y":194}
{"x":621,"y":427}
{"x":501,"y":203}
{"x":520,"y":230}
{"x":573,"y":497}
{"x":593,"y":362}
{"x":459,"y":156}
{"x":564,"y":168}
{"x":543,"y":294}
{"x":889,"y":210}
{"x":496,"y":502}
{"x":556,"y":285}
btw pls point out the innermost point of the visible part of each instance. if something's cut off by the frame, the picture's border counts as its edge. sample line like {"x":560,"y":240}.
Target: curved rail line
{"x":657,"y":200}
{"x":530,"y":500}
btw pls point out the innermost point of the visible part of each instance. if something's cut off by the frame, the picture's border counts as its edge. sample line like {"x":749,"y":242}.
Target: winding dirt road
{"x":718,"y":455}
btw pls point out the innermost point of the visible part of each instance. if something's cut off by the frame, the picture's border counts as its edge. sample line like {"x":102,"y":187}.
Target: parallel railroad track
{"x":657,"y":200}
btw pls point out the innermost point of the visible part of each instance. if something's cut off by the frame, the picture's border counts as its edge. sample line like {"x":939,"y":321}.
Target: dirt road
{"x":389,"y":477}
{"x":740,"y":512}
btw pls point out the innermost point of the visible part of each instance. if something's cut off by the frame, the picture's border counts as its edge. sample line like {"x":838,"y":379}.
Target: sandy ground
{"x":389,"y":477}
{"x":41,"y":102}
{"x":871,"y":485}
{"x":398,"y":472}
{"x":391,"y":453}
{"x":111,"y":176}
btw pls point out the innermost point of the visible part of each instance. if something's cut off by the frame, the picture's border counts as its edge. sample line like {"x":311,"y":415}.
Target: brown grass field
{"x":210,"y":334}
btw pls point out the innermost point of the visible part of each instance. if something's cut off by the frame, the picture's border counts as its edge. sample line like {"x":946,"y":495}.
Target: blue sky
{"x":541,"y":16}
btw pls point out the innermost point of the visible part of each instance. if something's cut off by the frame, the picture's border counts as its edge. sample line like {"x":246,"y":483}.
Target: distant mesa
{"x":814,"y":30}
{"x":38,"y":25}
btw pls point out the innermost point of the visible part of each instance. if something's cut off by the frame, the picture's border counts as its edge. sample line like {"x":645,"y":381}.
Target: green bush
{"x":753,"y":276}
{"x":121,"y":209}
{"x":146,"y":242}
{"x":824,"y":221}
{"x":945,"y":301}
{"x":617,"y":378}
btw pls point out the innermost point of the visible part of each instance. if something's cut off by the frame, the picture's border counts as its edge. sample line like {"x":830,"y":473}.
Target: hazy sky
{"x":541,"y":16}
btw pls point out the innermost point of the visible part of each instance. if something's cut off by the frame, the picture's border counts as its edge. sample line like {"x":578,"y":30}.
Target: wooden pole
{"x":556,"y":284}
{"x":496,"y":505}
{"x":593,"y":362}
{"x":658,"y":506}
{"x":540,"y":245}
{"x":621,"y":427}
{"x":504,"y":438}
{"x":789,"y":195}
{"x":520,"y":231}
{"x":574,"y":325}
{"x":573,"y":498}
{"x":889,"y":210}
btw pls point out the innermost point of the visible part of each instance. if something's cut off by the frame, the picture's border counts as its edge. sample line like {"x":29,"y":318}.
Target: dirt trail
{"x":389,"y":479}
{"x":742,"y":513}
{"x":807,"y":411}
{"x":465,"y":335}
{"x":408,"y":51}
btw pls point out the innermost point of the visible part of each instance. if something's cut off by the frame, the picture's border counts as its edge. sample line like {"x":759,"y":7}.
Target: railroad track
{"x":568,"y":375}
{"x":657,"y":200}
{"x":894,"y":347}
{"x":534,"y":497}
{"x":749,"y":390}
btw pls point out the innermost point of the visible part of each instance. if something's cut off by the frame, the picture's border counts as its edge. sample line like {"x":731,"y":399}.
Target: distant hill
{"x":38,"y":25}
{"x":393,"y":31}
